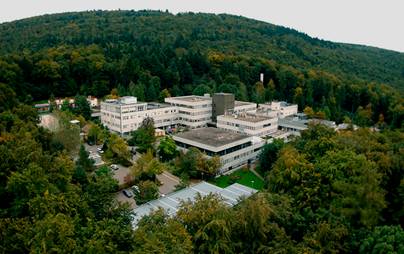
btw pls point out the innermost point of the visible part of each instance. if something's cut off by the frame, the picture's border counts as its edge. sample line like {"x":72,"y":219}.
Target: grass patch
{"x":241,"y":176}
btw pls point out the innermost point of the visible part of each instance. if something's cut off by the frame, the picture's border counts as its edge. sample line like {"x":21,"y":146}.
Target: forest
{"x":324,"y":192}
{"x":142,"y":53}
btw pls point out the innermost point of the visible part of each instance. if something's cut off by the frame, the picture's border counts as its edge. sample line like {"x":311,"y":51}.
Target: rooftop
{"x":192,"y":98}
{"x":125,"y":100}
{"x":300,"y":122}
{"x":213,"y":137}
{"x":243,"y":103}
{"x":155,"y":105}
{"x":170,"y":203}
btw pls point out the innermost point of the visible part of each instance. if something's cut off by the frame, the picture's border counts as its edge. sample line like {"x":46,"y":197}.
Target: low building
{"x":234,"y":149}
{"x":250,"y":124}
{"x":193,"y":111}
{"x":280,"y":108}
{"x":299,"y":122}
{"x":126,"y":114}
{"x":170,"y":203}
{"x":42,"y":107}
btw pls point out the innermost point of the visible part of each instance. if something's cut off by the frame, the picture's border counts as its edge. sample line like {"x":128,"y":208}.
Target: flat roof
{"x":170,"y":203}
{"x":248,"y":117}
{"x":156,"y":105}
{"x":243,"y":103}
{"x":294,"y":121}
{"x":192,"y":98}
{"x":211,"y":136}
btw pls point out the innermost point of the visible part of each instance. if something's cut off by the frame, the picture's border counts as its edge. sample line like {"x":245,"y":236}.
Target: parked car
{"x":128,"y":193}
{"x":114,"y":167}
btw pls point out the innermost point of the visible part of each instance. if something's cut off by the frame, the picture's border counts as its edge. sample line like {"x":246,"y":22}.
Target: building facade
{"x":193,"y":111}
{"x":250,"y":124}
{"x":280,"y":108}
{"x":126,"y":114}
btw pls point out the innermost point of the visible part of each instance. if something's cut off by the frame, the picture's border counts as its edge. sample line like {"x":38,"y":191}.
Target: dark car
{"x":127,"y":193}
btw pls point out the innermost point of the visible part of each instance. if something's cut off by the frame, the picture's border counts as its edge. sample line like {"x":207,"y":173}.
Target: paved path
{"x":169,"y":181}
{"x":256,"y":173}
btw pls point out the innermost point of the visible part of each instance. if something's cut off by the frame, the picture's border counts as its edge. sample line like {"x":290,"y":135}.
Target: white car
{"x":114,"y":167}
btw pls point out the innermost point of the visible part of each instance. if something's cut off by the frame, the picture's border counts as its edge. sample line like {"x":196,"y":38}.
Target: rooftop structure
{"x":244,"y":107}
{"x":222,"y":103}
{"x":282,"y":108}
{"x":170,"y":203}
{"x":299,"y":122}
{"x":188,"y":99}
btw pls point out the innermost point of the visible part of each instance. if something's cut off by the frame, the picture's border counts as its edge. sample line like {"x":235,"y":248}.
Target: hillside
{"x":151,"y":55}
{"x":223,"y":33}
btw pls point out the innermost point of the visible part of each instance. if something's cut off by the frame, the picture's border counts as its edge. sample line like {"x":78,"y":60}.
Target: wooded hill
{"x":143,"y":53}
{"x":228,"y":34}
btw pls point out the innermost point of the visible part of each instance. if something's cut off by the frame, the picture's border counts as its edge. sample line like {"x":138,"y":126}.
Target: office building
{"x":280,"y":108}
{"x":234,"y":149}
{"x":250,"y":124}
{"x":193,"y":111}
{"x":126,"y":114}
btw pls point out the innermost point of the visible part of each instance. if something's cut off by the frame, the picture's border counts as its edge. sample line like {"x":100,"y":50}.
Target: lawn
{"x":242,"y":176}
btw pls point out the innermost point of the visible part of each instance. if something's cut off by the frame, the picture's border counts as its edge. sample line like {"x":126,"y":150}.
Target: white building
{"x":93,"y":101}
{"x":244,"y":107}
{"x":250,"y":124}
{"x":193,"y":111}
{"x":280,"y":108}
{"x":126,"y":114}
{"x":234,"y":149}
{"x":299,"y":122}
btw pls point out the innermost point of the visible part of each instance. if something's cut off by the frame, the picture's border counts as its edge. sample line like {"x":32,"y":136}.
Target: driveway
{"x":168,"y":181}
{"x":92,"y":149}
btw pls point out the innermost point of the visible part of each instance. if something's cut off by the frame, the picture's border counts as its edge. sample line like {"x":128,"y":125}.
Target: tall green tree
{"x":144,"y":136}
{"x":82,"y":107}
{"x":167,"y":149}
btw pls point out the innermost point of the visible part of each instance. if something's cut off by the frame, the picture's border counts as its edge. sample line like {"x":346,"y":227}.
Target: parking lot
{"x":120,"y":174}
{"x":168,"y":181}
{"x":120,"y":197}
